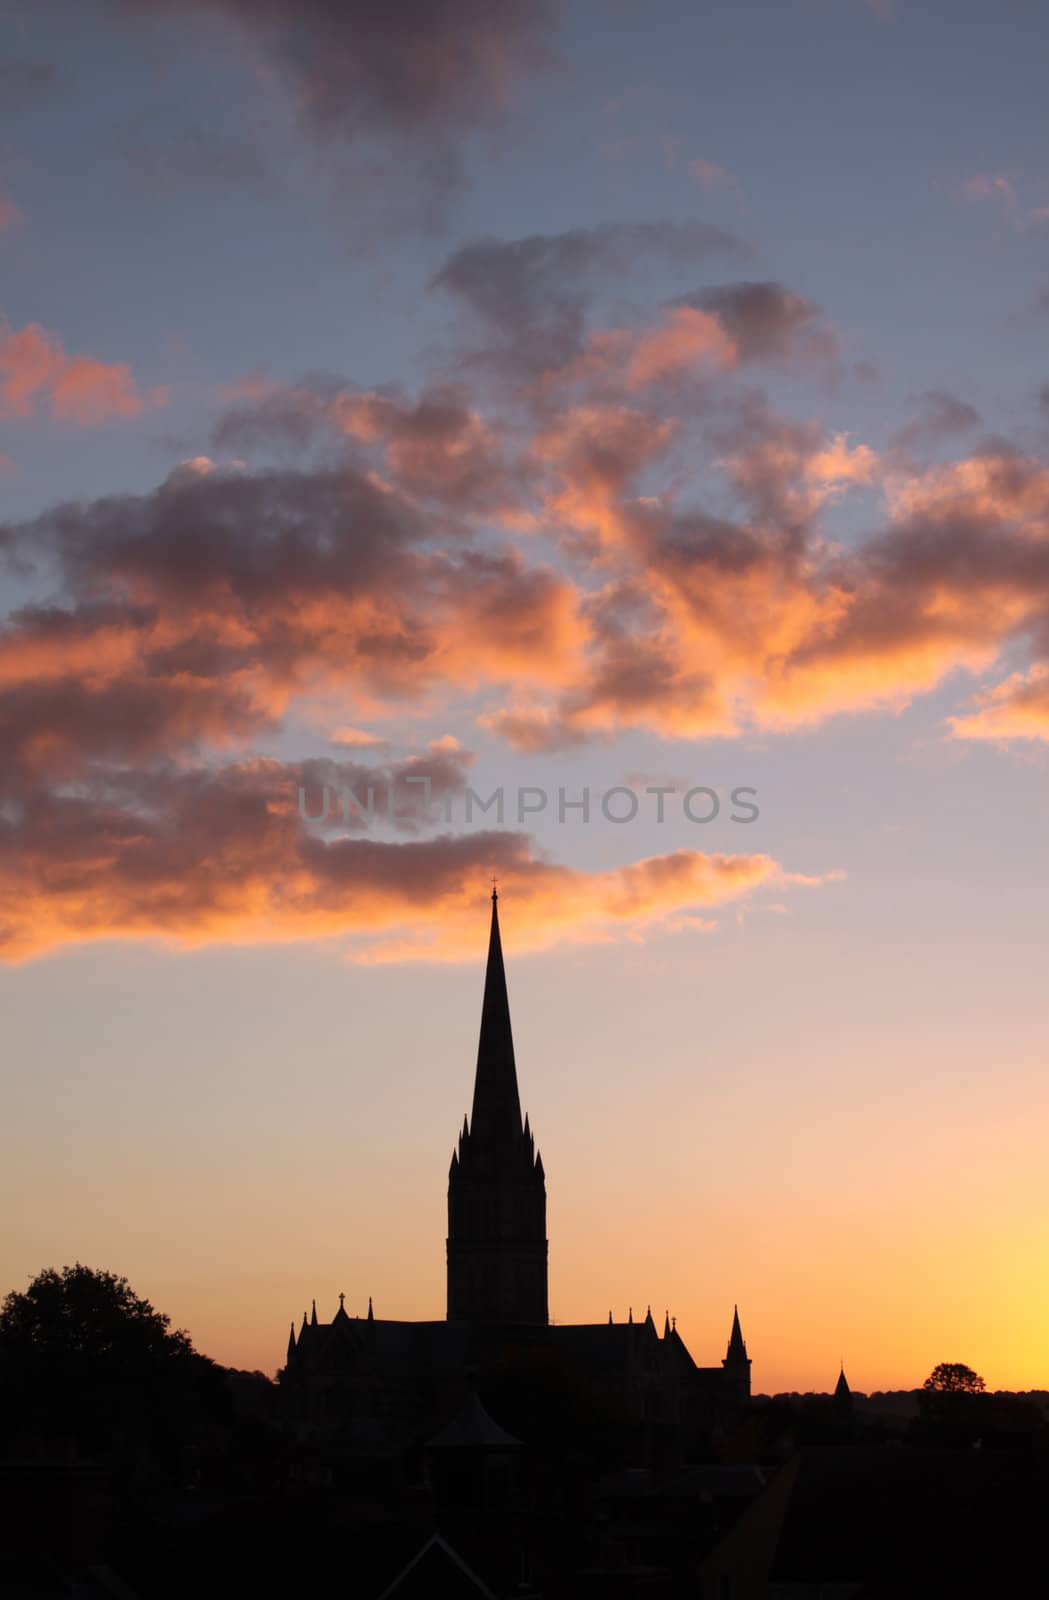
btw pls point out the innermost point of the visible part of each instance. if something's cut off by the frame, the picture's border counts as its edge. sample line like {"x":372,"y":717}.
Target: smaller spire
{"x":841,"y":1388}
{"x":610,"y":1319}
{"x":291,"y":1342}
{"x":666,"y":1325}
{"x":630,"y":1316}
{"x":737,"y":1349}
{"x":313,"y":1315}
{"x":371,"y":1313}
{"x":303,"y":1324}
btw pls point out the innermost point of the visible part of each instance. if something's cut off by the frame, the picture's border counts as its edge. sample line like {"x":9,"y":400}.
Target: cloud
{"x":766,"y":321}
{"x":437,"y":447}
{"x":10,"y":216}
{"x":530,"y":296}
{"x":200,"y":617}
{"x":396,"y":91}
{"x":35,"y":371}
{"x":709,"y":176}
{"x":222,"y":598}
{"x":1006,"y":192}
{"x":991,"y":186}
{"x":588,"y":555}
{"x":533,"y":730}
{"x":357,"y":739}
{"x":941,"y":416}
{"x":357,"y":64}
{"x":194,"y":857}
{"x":1018,"y":708}
{"x":684,"y":344}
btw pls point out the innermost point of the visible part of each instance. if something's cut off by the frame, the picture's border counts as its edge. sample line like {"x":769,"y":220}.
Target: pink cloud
{"x":710,"y":177}
{"x":35,"y":371}
{"x":10,"y":215}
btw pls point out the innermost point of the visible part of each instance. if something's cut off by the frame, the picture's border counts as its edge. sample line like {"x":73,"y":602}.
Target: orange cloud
{"x":356,"y":739}
{"x":35,"y":370}
{"x":226,"y":601}
{"x":687,"y":342}
{"x":197,"y":856}
{"x":1017,"y":708}
{"x":690,"y":341}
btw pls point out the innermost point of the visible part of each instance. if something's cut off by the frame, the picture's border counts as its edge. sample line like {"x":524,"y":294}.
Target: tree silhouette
{"x":82,"y":1357}
{"x":953,"y":1377}
{"x":80,"y":1315}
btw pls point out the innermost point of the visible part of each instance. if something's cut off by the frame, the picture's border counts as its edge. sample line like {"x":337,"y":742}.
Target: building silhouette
{"x":382,"y":1382}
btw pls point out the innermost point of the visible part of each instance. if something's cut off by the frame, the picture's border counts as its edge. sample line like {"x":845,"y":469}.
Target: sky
{"x":617,"y":436}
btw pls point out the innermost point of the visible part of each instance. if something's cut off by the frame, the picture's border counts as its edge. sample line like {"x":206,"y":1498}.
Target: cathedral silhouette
{"x":378,"y":1381}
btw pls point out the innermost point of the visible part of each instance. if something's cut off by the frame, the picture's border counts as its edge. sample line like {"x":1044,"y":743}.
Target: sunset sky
{"x":538,"y":398}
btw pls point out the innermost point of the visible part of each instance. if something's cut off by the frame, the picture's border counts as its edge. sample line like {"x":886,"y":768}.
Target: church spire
{"x":497,"y":1249}
{"x":496,"y":1105}
{"x":737,"y":1350}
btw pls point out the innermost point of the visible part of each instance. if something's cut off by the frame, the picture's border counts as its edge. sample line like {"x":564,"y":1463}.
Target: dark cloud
{"x":421,"y":72}
{"x":766,"y":321}
{"x":531,"y":294}
{"x":941,"y":416}
{"x":193,"y":616}
{"x":197,"y":854}
{"x":436,"y":447}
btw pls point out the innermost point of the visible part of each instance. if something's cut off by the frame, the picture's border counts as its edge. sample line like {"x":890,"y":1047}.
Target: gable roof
{"x":437,"y":1569}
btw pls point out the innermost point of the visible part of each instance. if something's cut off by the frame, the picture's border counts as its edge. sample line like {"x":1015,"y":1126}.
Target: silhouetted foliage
{"x":81,"y":1315}
{"x":85,"y":1359}
{"x":953,"y":1377}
